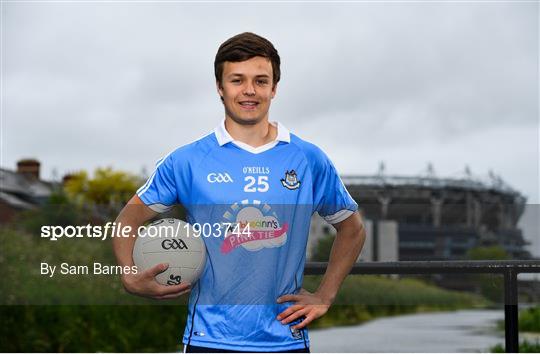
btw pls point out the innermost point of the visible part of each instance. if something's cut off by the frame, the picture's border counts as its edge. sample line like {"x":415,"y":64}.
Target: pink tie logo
{"x":234,"y":240}
{"x":257,"y":224}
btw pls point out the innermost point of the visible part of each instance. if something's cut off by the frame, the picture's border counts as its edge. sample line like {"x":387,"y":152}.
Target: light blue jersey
{"x":271,"y":191}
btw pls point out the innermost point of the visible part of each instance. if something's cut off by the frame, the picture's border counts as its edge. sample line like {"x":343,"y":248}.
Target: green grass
{"x":524,"y":347}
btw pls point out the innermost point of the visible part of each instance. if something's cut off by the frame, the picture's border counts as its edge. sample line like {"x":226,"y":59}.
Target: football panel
{"x":180,"y":259}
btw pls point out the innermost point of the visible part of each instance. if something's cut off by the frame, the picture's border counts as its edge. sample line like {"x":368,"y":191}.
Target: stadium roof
{"x":494,"y":183}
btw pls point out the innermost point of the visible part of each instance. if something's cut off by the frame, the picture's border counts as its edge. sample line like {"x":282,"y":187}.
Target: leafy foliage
{"x":524,"y":347}
{"x":529,"y":320}
{"x":487,"y":253}
{"x":105,"y":188}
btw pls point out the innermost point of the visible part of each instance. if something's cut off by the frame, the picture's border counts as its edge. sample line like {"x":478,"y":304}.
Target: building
{"x":22,"y":189}
{"x":431,"y":218}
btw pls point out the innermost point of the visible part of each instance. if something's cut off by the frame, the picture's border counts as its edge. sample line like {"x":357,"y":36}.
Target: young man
{"x":251,"y":174}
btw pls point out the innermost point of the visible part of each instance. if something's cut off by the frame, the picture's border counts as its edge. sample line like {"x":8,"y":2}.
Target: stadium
{"x":432,"y":218}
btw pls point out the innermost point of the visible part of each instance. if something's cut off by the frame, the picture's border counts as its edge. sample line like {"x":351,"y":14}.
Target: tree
{"x":105,"y":193}
{"x":488,"y":253}
{"x":107,"y":187}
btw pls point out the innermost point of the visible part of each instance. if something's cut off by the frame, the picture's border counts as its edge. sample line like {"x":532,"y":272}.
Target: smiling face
{"x":247,"y":90}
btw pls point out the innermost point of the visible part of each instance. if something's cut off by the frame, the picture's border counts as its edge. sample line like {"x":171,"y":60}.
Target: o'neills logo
{"x":258,"y":227}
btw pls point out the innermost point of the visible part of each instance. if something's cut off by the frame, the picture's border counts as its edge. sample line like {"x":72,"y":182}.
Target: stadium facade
{"x":431,"y":218}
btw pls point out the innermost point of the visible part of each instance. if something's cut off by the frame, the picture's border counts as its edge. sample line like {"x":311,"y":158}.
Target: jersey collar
{"x":223,"y":137}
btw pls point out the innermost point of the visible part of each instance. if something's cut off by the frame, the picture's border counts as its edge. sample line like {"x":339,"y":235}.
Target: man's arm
{"x":349,"y":241}
{"x":135,"y":214}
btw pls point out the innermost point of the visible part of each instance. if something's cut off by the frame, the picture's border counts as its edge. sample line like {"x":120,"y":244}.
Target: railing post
{"x":511,"y":327}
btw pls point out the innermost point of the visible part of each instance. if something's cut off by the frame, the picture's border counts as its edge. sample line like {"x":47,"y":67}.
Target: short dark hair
{"x":245,"y":46}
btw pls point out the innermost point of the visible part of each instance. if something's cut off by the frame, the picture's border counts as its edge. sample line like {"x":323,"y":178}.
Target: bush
{"x":529,"y":320}
{"x":524,"y":347}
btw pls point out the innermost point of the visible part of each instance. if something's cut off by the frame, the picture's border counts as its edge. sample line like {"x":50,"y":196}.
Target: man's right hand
{"x":145,"y":284}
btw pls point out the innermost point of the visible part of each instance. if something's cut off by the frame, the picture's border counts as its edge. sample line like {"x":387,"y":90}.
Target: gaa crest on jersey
{"x":291,"y":180}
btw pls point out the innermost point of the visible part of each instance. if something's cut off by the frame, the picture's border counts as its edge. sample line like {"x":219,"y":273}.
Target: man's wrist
{"x":126,"y":280}
{"x":326,"y":297}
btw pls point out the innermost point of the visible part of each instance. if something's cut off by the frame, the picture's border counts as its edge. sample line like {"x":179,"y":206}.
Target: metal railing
{"x":509,"y":269}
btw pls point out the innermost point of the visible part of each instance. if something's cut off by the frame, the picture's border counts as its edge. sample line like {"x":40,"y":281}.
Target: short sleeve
{"x":331,"y":199}
{"x":159,"y":192}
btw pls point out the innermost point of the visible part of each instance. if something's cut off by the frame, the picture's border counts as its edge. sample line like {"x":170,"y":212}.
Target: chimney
{"x":28,"y":168}
{"x":68,"y":177}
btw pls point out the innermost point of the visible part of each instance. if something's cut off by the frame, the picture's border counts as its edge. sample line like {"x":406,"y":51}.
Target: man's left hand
{"x":310,"y":305}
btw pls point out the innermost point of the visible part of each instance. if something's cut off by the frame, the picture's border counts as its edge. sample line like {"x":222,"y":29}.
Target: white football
{"x":174,"y":242}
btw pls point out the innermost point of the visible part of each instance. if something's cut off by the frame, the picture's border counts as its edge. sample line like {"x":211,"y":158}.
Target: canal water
{"x":449,"y":332}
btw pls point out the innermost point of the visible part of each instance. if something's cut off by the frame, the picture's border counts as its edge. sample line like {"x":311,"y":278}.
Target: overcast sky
{"x":121,"y":84}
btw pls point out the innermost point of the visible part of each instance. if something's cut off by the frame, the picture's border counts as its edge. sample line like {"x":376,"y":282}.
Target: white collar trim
{"x":223,"y":137}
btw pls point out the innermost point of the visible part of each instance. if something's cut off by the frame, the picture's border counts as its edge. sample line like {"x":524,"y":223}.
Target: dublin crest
{"x":291,"y":181}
